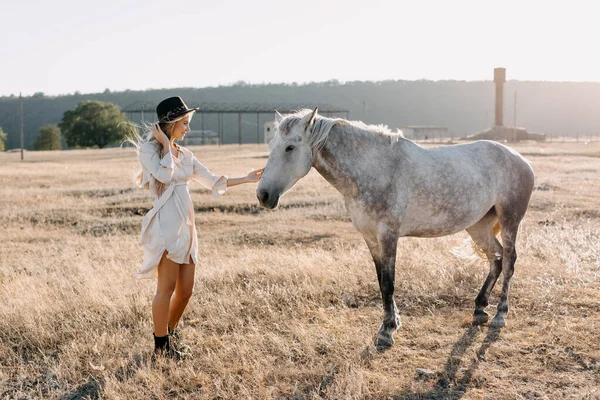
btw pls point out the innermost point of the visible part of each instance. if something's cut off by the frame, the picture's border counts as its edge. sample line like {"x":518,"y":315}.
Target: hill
{"x":555,"y":108}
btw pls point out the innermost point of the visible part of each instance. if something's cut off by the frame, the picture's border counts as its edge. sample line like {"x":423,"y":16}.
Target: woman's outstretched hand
{"x":255,"y":176}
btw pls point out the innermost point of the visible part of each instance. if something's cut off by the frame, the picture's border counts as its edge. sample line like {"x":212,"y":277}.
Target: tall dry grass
{"x":267,"y":320}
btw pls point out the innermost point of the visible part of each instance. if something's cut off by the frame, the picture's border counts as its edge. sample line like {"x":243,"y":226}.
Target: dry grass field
{"x":268,"y":319}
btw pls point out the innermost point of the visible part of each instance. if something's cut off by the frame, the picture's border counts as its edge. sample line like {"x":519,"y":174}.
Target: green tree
{"x":2,"y":140}
{"x":48,"y":139}
{"x":93,"y":123}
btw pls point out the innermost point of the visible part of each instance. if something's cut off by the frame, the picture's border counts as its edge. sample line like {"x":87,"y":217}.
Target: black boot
{"x":162,"y":347}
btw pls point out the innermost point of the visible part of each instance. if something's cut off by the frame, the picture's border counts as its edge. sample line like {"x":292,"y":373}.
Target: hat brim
{"x":175,"y":117}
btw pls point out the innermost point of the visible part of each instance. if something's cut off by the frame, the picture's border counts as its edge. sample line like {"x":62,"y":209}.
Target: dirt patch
{"x":586,"y":214}
{"x":57,"y":218}
{"x":330,"y":217}
{"x":546,"y":206}
{"x":100,"y":222}
{"x":296,"y":238}
{"x":100,"y":193}
{"x":109,"y":228}
{"x":254,"y":209}
{"x":74,"y":218}
{"x":120,"y":212}
{"x":241,"y":209}
{"x":544,"y":187}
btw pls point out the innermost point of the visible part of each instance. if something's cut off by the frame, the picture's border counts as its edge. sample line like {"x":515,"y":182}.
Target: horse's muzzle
{"x":267,"y":200}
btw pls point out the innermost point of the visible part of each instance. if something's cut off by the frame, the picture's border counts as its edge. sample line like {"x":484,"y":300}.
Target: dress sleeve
{"x":217,"y":183}
{"x":161,"y":169}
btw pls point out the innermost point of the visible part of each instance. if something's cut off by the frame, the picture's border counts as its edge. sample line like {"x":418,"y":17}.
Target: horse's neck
{"x":351,"y":160}
{"x":339,"y":161}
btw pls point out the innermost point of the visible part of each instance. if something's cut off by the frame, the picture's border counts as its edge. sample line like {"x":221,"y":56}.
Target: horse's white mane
{"x":323,"y":125}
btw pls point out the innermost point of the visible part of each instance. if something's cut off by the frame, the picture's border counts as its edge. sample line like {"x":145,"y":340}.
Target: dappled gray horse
{"x":393,"y":187}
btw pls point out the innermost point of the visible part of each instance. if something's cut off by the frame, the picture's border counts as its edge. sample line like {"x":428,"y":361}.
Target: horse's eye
{"x":289,"y":148}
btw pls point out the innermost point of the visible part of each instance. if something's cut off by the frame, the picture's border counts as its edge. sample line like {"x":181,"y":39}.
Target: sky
{"x":63,"y":46}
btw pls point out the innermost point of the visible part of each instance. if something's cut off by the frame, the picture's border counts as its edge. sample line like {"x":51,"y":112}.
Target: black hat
{"x":170,"y":109}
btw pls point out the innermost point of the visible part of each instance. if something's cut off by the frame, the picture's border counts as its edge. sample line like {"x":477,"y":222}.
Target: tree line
{"x":90,"y":124}
{"x":554,"y":108}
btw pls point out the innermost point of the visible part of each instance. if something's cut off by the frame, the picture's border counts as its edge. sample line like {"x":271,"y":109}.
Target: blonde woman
{"x":168,"y":230}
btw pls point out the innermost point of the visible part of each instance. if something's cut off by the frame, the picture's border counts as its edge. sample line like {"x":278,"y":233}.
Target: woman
{"x":168,"y":231}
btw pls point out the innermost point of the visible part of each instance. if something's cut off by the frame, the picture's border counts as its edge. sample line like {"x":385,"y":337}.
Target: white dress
{"x":169,"y":225}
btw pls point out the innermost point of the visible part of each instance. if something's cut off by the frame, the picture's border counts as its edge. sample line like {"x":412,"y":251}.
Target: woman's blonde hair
{"x":137,"y":139}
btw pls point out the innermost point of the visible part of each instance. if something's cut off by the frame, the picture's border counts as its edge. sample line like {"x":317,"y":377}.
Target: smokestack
{"x":499,"y":79}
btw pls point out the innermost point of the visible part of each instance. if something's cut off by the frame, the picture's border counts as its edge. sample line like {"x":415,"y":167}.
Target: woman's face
{"x":181,"y":127}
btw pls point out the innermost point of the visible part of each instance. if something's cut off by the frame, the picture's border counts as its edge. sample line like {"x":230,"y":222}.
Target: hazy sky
{"x":63,"y":46}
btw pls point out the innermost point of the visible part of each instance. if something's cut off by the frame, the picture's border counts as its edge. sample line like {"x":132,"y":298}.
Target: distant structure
{"x":198,"y":137}
{"x":499,"y":132}
{"x":135,"y":112}
{"x":422,"y":132}
{"x":499,"y":79}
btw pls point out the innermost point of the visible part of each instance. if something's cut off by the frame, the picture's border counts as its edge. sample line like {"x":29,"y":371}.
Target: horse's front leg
{"x":383,"y":250}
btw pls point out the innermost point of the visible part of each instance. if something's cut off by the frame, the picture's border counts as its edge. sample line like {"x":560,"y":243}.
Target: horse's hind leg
{"x":509,"y":236}
{"x":483,"y":234}
{"x":511,"y":208}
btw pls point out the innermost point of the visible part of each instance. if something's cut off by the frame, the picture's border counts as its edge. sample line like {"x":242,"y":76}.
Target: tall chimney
{"x":499,"y":79}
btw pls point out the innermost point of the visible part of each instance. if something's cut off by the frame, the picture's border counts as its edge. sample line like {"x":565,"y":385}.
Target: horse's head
{"x":290,"y":157}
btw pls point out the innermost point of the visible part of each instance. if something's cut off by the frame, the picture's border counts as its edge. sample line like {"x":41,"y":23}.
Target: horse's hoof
{"x":384,"y":340}
{"x":382,"y":343}
{"x":480,"y":317}
{"x":498,"y":322}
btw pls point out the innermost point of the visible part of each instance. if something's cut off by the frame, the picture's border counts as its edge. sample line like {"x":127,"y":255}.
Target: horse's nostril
{"x":263,"y":196}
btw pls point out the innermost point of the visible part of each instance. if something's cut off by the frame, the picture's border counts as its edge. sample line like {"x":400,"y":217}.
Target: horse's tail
{"x":478,"y":249}
{"x":477,"y":252}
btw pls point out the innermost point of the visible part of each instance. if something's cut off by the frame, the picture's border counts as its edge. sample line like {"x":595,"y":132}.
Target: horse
{"x":393,"y":188}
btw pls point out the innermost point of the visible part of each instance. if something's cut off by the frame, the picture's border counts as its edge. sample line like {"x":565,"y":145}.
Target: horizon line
{"x":247,"y":83}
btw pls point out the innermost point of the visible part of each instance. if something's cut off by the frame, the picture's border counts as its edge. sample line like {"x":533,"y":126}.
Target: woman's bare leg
{"x":168,"y":272}
{"x":183,"y":291}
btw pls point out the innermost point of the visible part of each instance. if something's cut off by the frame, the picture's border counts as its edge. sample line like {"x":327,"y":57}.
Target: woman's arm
{"x":207,"y":179}
{"x":161,"y":169}
{"x":253,"y":176}
{"x":220,"y":183}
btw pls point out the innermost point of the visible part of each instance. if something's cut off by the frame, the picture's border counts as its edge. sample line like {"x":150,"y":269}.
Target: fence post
{"x":240,"y":129}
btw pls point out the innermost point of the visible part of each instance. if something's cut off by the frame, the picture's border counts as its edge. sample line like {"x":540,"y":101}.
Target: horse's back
{"x":452,"y":187}
{"x":516,"y":181}
{"x":514,"y":173}
{"x":503,"y":164}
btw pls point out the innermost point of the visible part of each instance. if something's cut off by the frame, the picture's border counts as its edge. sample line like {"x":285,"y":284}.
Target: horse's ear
{"x":313,"y":116}
{"x":309,"y":120}
{"x":278,"y":117}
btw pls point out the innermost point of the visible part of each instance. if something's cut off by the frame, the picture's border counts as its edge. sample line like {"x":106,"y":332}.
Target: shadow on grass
{"x":447,"y":386}
{"x":93,"y":388}
{"x":89,"y":390}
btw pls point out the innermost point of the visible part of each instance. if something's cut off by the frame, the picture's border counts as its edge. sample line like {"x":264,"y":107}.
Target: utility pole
{"x":21,"y":118}
{"x":202,"y":116}
{"x":515,"y":118}
{"x":364,"y":111}
{"x":220,"y":128}
{"x":240,"y":128}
